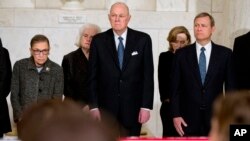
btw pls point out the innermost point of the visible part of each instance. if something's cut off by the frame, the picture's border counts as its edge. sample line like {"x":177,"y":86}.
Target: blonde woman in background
{"x":178,"y":37}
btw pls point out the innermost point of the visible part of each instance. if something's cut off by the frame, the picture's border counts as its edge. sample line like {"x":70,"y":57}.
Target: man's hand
{"x":95,"y":113}
{"x":178,"y":122}
{"x":144,"y":116}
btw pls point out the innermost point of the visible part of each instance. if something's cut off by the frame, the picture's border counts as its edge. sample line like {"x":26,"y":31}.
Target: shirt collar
{"x":124,"y":35}
{"x":208,"y":46}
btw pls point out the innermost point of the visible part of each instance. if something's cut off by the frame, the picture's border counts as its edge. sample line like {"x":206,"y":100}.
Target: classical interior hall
{"x":60,"y":20}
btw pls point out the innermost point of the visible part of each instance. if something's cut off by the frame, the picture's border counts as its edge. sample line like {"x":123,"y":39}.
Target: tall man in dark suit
{"x":5,"y":80}
{"x":241,"y":56}
{"x":122,"y":84}
{"x":200,"y":72}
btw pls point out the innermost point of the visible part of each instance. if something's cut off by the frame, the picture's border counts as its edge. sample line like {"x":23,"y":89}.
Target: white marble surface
{"x":17,"y":3}
{"x":161,"y":20}
{"x":218,"y":5}
{"x":238,"y":21}
{"x":110,"y":2}
{"x":61,"y":41}
{"x":199,"y":5}
{"x":146,"y":5}
{"x":171,"y":5}
{"x":142,"y":5}
{"x":7,"y":17}
{"x":57,"y":4}
{"x":17,"y":41}
{"x":240,"y":13}
{"x":217,"y":36}
{"x":48,"y":3}
{"x":34,"y":18}
{"x":94,"y":4}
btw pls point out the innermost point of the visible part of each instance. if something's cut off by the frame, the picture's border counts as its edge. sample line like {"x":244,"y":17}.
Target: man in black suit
{"x":200,"y":72}
{"x":241,"y":54}
{"x":123,"y":88}
{"x":5,"y":80}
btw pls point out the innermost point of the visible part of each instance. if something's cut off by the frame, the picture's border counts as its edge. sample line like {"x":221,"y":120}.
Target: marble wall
{"x":20,"y":20}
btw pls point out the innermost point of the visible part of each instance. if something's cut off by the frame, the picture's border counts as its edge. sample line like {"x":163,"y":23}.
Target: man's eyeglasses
{"x":44,"y":52}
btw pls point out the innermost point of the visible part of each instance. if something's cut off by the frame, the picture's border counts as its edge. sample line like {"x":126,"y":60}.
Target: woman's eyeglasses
{"x":37,"y":52}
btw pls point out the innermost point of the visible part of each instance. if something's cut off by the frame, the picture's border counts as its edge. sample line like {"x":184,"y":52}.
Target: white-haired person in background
{"x":75,"y":65}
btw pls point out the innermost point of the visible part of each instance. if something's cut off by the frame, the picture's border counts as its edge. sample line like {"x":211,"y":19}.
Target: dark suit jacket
{"x":164,"y":77}
{"x":241,"y":57}
{"x":75,"y":66}
{"x":5,"y":80}
{"x":188,"y":94}
{"x":124,"y":91}
{"x":164,"y":74}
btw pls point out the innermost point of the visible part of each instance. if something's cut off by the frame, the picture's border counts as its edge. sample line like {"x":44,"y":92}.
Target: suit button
{"x":40,"y":90}
{"x":203,"y":91}
{"x":120,"y":81}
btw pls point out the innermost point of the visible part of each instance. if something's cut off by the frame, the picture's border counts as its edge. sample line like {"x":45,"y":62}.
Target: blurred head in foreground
{"x":231,"y":109}
{"x":61,"y":121}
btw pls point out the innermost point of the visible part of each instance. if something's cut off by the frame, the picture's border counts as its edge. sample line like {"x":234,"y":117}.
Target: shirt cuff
{"x":145,"y":109}
{"x":94,"y":109}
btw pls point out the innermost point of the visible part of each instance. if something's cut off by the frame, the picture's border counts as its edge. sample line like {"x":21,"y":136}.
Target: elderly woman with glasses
{"x":178,"y":37}
{"x":36,"y":78}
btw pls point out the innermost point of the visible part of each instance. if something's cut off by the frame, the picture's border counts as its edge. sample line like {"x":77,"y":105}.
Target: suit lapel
{"x":130,"y":45}
{"x":192,"y":57}
{"x":80,"y":58}
{"x":214,"y":58}
{"x":112,"y":47}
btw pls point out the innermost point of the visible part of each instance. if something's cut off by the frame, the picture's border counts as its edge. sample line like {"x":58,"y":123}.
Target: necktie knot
{"x":203,"y":49}
{"x":120,"y":38}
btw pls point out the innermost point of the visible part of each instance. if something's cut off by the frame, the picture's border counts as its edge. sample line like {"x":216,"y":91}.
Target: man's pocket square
{"x":134,"y":53}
